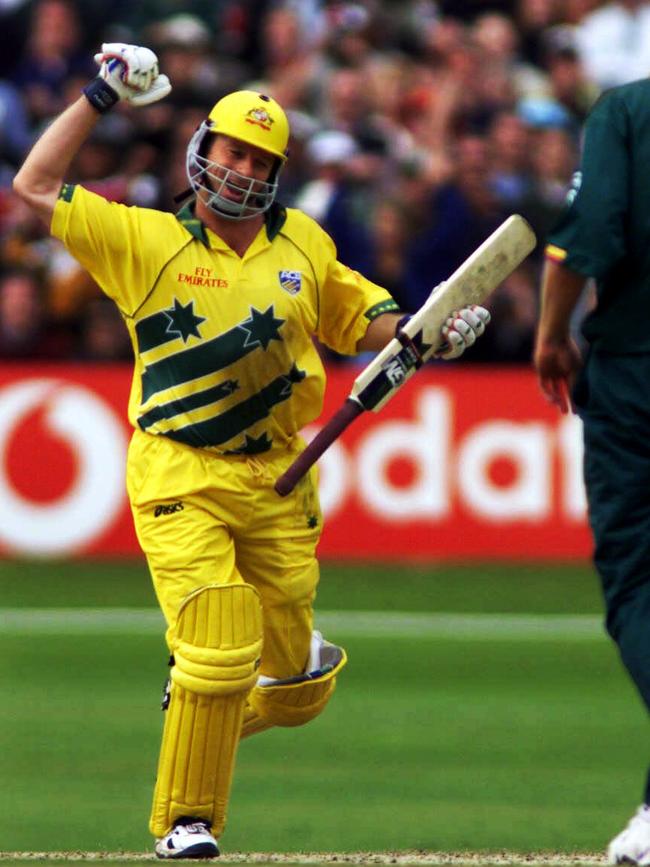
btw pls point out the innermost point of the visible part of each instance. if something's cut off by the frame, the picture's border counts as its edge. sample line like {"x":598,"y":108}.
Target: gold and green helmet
{"x":255,"y":119}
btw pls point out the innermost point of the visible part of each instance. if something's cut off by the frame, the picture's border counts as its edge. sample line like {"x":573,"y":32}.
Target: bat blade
{"x":471,"y":283}
{"x":480,"y":274}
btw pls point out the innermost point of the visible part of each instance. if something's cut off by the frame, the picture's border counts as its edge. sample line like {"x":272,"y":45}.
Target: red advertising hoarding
{"x":464,"y":463}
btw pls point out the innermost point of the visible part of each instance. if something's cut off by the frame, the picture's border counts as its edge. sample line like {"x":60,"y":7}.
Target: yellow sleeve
{"x":114,"y":243}
{"x":349,"y":303}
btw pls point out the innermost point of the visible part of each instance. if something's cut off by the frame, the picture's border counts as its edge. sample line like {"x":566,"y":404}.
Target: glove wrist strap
{"x":100,"y":95}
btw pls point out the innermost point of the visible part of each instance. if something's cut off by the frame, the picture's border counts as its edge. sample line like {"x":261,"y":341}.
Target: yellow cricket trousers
{"x":203,"y":519}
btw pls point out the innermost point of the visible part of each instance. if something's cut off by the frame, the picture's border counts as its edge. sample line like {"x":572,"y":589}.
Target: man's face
{"x":238,"y":156}
{"x":232,"y":178}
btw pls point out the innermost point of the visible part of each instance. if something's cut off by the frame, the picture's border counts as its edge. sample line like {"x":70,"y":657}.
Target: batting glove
{"x":461,"y":330}
{"x":129,"y":73}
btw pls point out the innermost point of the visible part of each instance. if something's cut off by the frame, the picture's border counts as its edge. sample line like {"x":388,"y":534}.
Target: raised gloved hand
{"x":461,"y":330}
{"x":126,"y":72}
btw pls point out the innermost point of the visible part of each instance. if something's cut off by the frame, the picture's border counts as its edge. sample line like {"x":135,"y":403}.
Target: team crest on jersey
{"x":291,"y":281}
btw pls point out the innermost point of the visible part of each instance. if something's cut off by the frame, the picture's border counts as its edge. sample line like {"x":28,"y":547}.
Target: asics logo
{"x":167,"y":509}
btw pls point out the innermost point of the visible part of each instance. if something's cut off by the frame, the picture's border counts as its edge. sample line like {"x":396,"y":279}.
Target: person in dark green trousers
{"x":604,"y":234}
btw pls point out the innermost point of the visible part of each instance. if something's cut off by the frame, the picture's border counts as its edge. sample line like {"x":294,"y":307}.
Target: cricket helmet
{"x":255,"y":119}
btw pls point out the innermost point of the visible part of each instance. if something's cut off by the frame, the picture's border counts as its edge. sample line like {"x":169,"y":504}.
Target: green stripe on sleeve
{"x":67,"y":192}
{"x":387,"y":306}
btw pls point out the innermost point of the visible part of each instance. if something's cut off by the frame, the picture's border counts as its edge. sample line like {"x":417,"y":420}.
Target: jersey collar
{"x":274,"y":220}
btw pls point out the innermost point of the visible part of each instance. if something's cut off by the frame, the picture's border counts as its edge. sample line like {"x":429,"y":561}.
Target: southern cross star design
{"x":183,"y":322}
{"x":252,"y":445}
{"x":261,"y":328}
{"x":230,"y":386}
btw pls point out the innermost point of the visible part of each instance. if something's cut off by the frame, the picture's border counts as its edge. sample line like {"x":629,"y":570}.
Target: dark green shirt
{"x":604,"y":231}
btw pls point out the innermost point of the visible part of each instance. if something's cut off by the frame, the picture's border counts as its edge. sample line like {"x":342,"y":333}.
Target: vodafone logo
{"x":52,"y":429}
{"x":474,"y":463}
{"x":448,"y":470}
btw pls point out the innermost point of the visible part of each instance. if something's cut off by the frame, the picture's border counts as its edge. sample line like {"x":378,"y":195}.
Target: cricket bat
{"x":471,"y":283}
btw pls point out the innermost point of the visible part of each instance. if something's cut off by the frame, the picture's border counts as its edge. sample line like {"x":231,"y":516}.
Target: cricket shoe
{"x":189,"y":838}
{"x":323,"y":655}
{"x":632,"y":845}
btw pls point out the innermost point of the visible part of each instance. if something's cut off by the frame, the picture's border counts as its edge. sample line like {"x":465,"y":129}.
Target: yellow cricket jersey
{"x":224,"y":358}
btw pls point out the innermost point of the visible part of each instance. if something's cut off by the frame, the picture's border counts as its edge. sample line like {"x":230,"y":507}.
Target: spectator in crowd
{"x":461,"y":212}
{"x":461,"y":113}
{"x":569,"y":84}
{"x":338,"y":197}
{"x":24,"y":330}
{"x":299,"y":172}
{"x":347,"y":40}
{"x":391,"y":230}
{"x":103,"y":335}
{"x":187,"y":47}
{"x":614,"y":42}
{"x":534,"y":18}
{"x":293,"y":70}
{"x":386,"y":77}
{"x":509,"y":143}
{"x":15,"y":133}
{"x":349,"y":108}
{"x":53,"y":54}
{"x":135,"y":19}
{"x":553,"y":158}
{"x":498,"y":40}
{"x":574,"y":11}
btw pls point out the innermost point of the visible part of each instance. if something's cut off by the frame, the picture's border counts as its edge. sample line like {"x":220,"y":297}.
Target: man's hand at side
{"x":557,"y":357}
{"x":557,"y":362}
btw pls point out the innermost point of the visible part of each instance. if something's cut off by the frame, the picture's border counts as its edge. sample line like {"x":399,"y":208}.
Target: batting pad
{"x":293,"y":702}
{"x":216,"y":648}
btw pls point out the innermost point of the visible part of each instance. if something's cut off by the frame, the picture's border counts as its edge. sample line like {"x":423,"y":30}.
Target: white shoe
{"x":323,"y":658}
{"x":191,"y":840}
{"x":632,"y":845}
{"x":323,"y":655}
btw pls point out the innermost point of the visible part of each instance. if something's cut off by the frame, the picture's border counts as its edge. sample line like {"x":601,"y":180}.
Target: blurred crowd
{"x":417,"y":127}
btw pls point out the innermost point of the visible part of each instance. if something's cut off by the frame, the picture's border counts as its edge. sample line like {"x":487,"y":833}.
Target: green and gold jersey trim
{"x":388,"y":306}
{"x":193,"y":225}
{"x":67,"y":192}
{"x":274,"y":220}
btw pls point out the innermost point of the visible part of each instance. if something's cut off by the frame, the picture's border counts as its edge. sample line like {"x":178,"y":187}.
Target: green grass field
{"x":453,"y":728}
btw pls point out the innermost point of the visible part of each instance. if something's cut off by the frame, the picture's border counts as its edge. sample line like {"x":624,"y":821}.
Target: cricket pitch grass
{"x":483,"y":719}
{"x":402,"y":859}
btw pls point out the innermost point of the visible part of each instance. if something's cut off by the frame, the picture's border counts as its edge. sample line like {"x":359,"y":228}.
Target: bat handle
{"x":322,"y":441}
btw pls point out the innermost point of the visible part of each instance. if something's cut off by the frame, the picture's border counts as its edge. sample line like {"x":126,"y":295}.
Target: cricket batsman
{"x":221,"y":301}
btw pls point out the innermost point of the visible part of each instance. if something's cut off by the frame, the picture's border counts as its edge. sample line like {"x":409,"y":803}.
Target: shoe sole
{"x":199,"y":850}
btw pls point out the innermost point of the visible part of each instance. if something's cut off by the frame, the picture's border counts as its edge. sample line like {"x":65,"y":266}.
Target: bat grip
{"x":322,"y":441}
